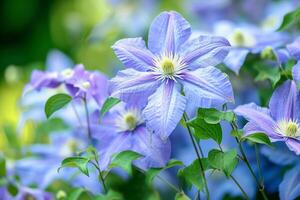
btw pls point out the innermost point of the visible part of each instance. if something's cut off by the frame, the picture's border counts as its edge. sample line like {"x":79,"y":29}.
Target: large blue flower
{"x":155,"y":76}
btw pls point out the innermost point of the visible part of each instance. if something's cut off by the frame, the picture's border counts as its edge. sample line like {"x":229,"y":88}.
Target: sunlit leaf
{"x":260,"y":138}
{"x":124,"y":160}
{"x":78,"y":162}
{"x":108,"y":104}
{"x":55,"y":103}
{"x":289,"y":19}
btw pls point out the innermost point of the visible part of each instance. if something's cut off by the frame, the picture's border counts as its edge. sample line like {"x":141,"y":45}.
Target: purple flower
{"x":78,"y":82}
{"x":124,"y":129}
{"x":246,"y":39}
{"x":172,"y":63}
{"x":281,"y":121}
{"x":289,"y":188}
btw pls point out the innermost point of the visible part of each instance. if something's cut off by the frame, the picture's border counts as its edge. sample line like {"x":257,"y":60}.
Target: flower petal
{"x":289,"y":188}
{"x":260,"y":117}
{"x":205,"y":51}
{"x":165,"y":109}
{"x":133,"y":86}
{"x":283,"y":101}
{"x":251,"y":128}
{"x":296,"y":72}
{"x":167,"y":32}
{"x":206,"y":87}
{"x":294,"y":48}
{"x":157,"y":152}
{"x":235,"y":59}
{"x":133,"y":53}
{"x":293,"y":145}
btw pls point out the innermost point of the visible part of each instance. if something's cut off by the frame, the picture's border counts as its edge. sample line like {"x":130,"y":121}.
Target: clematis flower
{"x":281,"y":121}
{"x":124,"y":129}
{"x":172,"y":63}
{"x":246,"y":39}
{"x":78,"y":82}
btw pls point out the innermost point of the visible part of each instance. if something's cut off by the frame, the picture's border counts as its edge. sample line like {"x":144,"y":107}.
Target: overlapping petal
{"x":165,"y":109}
{"x":293,"y":145}
{"x":133,"y":53}
{"x":283,"y":101}
{"x":157,"y":151}
{"x":133,"y":86}
{"x":296,"y":72}
{"x":206,"y":87}
{"x":205,"y":51}
{"x":258,"y":115}
{"x":235,"y":59}
{"x":289,"y":188}
{"x":168,"y":32}
{"x":294,"y":48}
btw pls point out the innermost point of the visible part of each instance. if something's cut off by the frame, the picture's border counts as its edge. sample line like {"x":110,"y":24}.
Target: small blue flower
{"x":173,"y":63}
{"x":281,"y":122}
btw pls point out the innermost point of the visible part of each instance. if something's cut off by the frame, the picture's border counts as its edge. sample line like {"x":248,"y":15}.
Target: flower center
{"x":167,"y":66}
{"x":67,"y":73}
{"x":130,"y":121}
{"x":289,"y":128}
{"x":29,"y":197}
{"x":241,"y":38}
{"x":86,"y":84}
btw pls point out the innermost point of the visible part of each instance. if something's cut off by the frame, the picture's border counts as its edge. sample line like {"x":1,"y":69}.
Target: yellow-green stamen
{"x":130,"y":121}
{"x":167,"y":66}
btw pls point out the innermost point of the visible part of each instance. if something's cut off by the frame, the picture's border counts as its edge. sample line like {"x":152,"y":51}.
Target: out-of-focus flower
{"x":155,"y":76}
{"x":78,"y":82}
{"x":294,"y":50}
{"x":246,"y":39}
{"x":281,"y":121}
{"x":124,"y":129}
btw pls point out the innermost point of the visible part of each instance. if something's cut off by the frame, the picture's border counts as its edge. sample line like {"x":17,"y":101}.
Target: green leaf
{"x":111,"y":195}
{"x":192,"y":174}
{"x":214,"y":116}
{"x":289,"y":19}
{"x":76,"y":161}
{"x":181,"y":196}
{"x":267,"y":73}
{"x":108,"y":104}
{"x":55,"y":103}
{"x":237,"y":133}
{"x":2,"y":167}
{"x":12,"y":189}
{"x":152,"y":172}
{"x":224,"y":161}
{"x":75,"y":194}
{"x":260,"y":138}
{"x":203,"y":130}
{"x":124,"y":160}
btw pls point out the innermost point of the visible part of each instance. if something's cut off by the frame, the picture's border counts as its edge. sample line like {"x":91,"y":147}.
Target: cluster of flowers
{"x":170,"y":77}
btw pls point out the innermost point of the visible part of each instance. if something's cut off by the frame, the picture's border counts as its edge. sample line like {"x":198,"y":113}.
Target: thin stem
{"x":76,"y":114}
{"x":245,"y":159}
{"x":100,"y":174}
{"x":87,"y":118}
{"x":258,"y":163}
{"x":240,"y":187}
{"x":168,"y":183}
{"x":185,"y":117}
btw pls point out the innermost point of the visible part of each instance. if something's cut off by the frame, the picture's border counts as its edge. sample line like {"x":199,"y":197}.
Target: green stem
{"x":168,"y":183}
{"x":185,"y":117}
{"x":240,"y":187}
{"x":258,"y":164}
{"x":87,"y":118}
{"x":100,"y":174}
{"x":245,"y":159}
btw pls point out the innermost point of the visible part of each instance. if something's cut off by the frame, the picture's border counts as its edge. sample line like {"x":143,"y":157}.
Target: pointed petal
{"x":205,"y":51}
{"x":133,"y":53}
{"x":165,"y":109}
{"x":206,"y":87}
{"x":293,"y":145}
{"x":294,"y":48}
{"x":133,"y":86}
{"x":167,"y":32}
{"x":280,"y":154}
{"x":289,"y":188}
{"x":121,"y":142}
{"x":296,"y":72}
{"x":260,"y":117}
{"x":283,"y":101}
{"x":251,"y":128}
{"x":157,"y":152}
{"x":235,"y":59}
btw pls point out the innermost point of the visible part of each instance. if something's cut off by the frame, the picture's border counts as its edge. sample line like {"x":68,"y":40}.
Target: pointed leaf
{"x":124,"y":160}
{"x":55,"y":103}
{"x":108,"y":104}
{"x":76,"y":161}
{"x":289,"y":19}
{"x":260,"y":138}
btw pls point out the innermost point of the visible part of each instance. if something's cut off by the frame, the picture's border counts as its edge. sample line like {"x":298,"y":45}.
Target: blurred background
{"x":34,"y":33}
